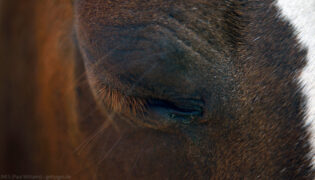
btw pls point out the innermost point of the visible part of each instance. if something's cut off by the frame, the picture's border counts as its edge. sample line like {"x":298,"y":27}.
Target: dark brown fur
{"x":48,"y":113}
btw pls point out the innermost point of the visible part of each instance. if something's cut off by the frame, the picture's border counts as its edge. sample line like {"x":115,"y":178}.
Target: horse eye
{"x":179,"y":111}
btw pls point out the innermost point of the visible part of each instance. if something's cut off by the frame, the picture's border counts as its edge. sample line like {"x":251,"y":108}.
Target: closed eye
{"x":180,"y":111}
{"x":152,"y":111}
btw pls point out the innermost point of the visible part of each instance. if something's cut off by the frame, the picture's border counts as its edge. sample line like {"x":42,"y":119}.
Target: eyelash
{"x":117,"y":102}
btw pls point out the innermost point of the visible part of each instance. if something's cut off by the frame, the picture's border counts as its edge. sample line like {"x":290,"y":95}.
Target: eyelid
{"x":120,"y":103}
{"x":184,"y":111}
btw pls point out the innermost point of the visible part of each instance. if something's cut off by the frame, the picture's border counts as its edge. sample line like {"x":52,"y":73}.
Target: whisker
{"x":139,"y":155}
{"x":105,"y":95}
{"x":80,"y":81}
{"x":142,"y":77}
{"x":96,"y":63}
{"x":92,"y":138}
{"x":110,"y":150}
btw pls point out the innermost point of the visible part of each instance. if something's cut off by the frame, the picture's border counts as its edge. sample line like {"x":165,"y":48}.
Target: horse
{"x":156,"y":89}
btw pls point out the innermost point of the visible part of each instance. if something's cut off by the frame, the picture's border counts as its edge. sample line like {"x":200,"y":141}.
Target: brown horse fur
{"x":38,"y":116}
{"x":47,"y":109}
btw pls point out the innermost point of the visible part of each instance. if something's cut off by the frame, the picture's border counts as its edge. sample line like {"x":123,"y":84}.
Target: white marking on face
{"x":301,"y":15}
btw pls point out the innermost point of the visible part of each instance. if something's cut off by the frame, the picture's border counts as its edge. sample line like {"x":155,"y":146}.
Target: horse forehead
{"x":301,"y":15}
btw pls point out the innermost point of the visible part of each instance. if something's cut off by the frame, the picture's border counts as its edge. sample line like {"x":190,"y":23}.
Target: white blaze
{"x":301,"y":15}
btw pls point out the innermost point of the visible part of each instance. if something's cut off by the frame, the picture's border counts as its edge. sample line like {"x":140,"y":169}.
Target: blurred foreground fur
{"x":38,"y":118}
